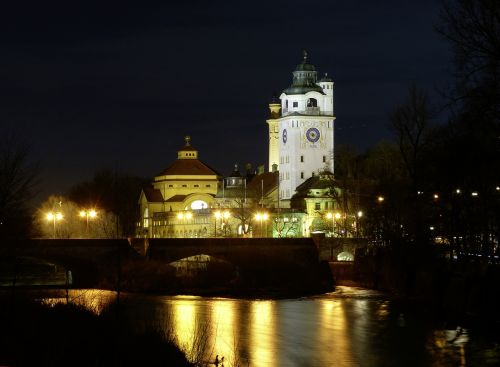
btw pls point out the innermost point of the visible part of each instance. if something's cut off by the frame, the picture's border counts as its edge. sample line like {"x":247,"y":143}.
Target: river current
{"x":348,"y":327}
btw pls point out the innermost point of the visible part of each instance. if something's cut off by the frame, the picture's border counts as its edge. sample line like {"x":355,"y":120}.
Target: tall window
{"x":302,"y":158}
{"x":317,"y":206}
{"x":324,"y":159}
{"x":295,"y":104}
{"x":301,"y":174}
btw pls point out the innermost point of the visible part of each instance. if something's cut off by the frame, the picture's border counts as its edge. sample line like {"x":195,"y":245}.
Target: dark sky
{"x":118,"y":86}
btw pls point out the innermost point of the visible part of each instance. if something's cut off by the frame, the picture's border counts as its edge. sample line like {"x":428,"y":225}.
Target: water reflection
{"x":263,"y":332}
{"x":345,"y":328}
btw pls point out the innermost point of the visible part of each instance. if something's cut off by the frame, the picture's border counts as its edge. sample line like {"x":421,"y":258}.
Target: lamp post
{"x":90,"y":213}
{"x":333,"y":216}
{"x":261,"y":217}
{"x":358,"y":221}
{"x":223,"y":216}
{"x":184,"y":217}
{"x":53,"y":217}
{"x":217,"y":215}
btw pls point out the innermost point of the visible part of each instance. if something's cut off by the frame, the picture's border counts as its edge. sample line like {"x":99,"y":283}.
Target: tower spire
{"x":304,"y":54}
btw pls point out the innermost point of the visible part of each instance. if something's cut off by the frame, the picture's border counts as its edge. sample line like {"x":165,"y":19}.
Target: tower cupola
{"x":187,"y":151}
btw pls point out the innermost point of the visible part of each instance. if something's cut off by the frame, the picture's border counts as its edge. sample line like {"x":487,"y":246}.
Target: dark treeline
{"x":439,"y":182}
{"x":114,"y":192}
{"x":435,"y":233}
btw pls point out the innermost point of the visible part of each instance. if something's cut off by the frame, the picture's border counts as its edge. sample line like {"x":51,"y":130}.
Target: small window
{"x":286,"y":103}
{"x":295,"y":104}
{"x":317,"y":206}
{"x":170,"y":185}
{"x":301,"y":174}
{"x":324,"y":159}
{"x":196,"y":185}
{"x":312,"y":174}
{"x":207,"y":185}
{"x":184,"y":185}
{"x":302,"y":158}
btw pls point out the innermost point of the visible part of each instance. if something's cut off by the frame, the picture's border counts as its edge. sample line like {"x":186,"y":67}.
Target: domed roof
{"x":304,"y":79}
{"x":305,"y":66}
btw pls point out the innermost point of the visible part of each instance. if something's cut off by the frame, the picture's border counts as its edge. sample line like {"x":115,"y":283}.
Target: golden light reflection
{"x":333,"y":333}
{"x":225,"y":338}
{"x":447,"y":347}
{"x":262,"y":334}
{"x":184,"y":319}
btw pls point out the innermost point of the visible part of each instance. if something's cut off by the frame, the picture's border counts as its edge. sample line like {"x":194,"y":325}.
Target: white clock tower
{"x":301,"y":137}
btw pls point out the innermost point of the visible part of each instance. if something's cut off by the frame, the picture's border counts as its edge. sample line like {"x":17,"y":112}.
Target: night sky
{"x":118,"y":86}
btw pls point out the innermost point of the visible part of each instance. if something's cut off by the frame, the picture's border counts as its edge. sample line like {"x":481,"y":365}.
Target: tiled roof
{"x":176,"y":199}
{"x":153,"y":195}
{"x":270,"y":180}
{"x":188,"y":167}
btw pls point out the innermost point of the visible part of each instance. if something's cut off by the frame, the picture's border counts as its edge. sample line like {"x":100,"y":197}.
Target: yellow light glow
{"x":258,"y":216}
{"x":436,"y":196}
{"x":189,"y":215}
{"x":458,"y":191}
{"x":59,"y":216}
{"x":92,"y":214}
{"x":474,"y":193}
{"x":83,"y":213}
{"x":50,"y":216}
{"x":227,"y":214}
{"x":180,"y":216}
{"x":217,"y":214}
{"x":337,"y":215}
{"x":380,"y":199}
{"x":329,"y":215}
{"x":265,"y":216}
{"x":360,"y":214}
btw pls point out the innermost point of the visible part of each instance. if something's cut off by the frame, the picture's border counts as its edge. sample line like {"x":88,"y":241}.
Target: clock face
{"x":313,"y":134}
{"x":285,"y":136}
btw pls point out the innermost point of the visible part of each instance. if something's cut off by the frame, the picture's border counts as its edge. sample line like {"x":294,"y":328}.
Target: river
{"x":348,"y":327}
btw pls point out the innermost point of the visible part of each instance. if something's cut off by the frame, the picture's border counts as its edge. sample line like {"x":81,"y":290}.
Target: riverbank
{"x":36,"y":333}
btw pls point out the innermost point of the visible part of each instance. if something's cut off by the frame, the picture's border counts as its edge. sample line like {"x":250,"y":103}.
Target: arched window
{"x":198,"y":204}
{"x":312,"y":102}
{"x":146,"y":218}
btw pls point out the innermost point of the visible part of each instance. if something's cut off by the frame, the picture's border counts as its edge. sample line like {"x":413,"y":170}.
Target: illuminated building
{"x":179,"y":200}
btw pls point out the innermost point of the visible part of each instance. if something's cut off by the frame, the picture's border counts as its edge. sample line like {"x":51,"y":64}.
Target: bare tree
{"x":411,"y":122}
{"x":18,"y":178}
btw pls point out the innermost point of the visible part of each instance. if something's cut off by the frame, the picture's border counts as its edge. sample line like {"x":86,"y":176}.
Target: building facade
{"x":179,"y":200}
{"x":301,"y":128}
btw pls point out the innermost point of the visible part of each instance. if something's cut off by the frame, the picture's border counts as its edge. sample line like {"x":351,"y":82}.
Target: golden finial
{"x":187,"y":139}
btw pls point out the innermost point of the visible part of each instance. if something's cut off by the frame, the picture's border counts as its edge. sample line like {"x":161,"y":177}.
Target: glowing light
{"x":458,"y":191}
{"x":50,"y":216}
{"x":226,"y":214}
{"x":59,"y":216}
{"x":188,"y":215}
{"x":337,"y":215}
{"x":436,"y":196}
{"x":360,"y":214}
{"x":474,"y":193}
{"x":180,"y":216}
{"x":218,"y":214}
{"x":92,"y":214}
{"x":83,"y":213}
{"x":380,"y":199}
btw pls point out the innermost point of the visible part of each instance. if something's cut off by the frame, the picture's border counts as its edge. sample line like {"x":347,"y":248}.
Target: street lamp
{"x":184,"y":217}
{"x":53,"y":217}
{"x":90,"y":213}
{"x":223,"y":216}
{"x":261,"y":217}
{"x":358,"y":217}
{"x":333,"y":216}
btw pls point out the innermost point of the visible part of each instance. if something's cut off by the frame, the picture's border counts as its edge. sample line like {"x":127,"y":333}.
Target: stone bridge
{"x":88,"y":260}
